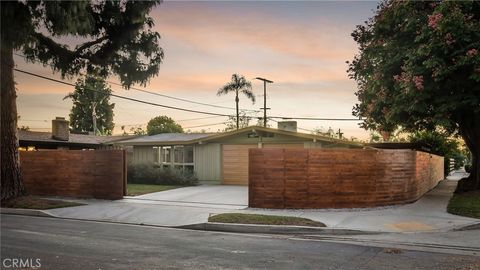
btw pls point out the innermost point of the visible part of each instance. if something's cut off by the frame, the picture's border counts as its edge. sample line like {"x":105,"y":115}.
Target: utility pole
{"x":265,"y":81}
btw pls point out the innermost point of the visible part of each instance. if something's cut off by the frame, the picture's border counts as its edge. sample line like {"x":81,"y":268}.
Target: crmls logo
{"x":12,"y":263}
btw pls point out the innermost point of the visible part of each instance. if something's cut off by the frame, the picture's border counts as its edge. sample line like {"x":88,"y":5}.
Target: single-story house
{"x":61,"y":138}
{"x":222,"y":158}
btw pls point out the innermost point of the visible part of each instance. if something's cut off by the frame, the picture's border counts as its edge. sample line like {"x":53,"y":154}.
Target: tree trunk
{"x":11,"y":179}
{"x":469,"y":127}
{"x":238,"y":115}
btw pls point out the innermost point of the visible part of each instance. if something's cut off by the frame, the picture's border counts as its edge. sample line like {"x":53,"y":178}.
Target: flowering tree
{"x":418,"y":67}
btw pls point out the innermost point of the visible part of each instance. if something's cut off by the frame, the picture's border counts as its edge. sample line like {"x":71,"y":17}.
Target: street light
{"x":265,"y":81}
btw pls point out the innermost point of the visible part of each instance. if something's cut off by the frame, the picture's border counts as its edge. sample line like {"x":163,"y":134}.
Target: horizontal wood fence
{"x":97,"y":174}
{"x":339,"y":178}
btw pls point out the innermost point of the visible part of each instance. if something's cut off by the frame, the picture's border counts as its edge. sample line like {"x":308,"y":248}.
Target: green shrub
{"x":149,"y":173}
{"x":441,"y":145}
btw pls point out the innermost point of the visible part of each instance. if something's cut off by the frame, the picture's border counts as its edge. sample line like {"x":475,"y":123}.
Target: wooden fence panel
{"x":97,"y":174}
{"x":339,"y":178}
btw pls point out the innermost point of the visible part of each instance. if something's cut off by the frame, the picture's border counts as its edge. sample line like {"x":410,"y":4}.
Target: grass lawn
{"x":465,"y":204}
{"x":140,"y":189}
{"x":263,"y":220}
{"x":33,"y":202}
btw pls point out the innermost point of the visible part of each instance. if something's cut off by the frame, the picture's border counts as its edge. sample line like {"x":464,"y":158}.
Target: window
{"x":178,"y":157}
{"x":178,"y":150}
{"x":166,"y":154}
{"x":188,"y":153}
{"x":156,"y":154}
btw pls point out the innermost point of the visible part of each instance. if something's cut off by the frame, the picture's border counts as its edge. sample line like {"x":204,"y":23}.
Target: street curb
{"x":210,"y":226}
{"x":25,"y":212}
{"x":272,"y":229}
{"x":475,"y":226}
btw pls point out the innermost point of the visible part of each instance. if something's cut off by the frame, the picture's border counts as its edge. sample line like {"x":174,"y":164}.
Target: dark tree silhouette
{"x":91,"y":110}
{"x":163,"y":124}
{"x":114,"y":37}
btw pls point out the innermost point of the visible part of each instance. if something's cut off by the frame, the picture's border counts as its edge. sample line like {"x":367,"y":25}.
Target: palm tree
{"x":238,"y":84}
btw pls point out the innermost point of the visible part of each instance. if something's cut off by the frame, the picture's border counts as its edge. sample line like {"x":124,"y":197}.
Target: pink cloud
{"x":211,"y":31}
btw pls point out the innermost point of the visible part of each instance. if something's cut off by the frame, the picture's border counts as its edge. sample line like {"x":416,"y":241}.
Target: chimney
{"x":60,"y":129}
{"x":288,"y":126}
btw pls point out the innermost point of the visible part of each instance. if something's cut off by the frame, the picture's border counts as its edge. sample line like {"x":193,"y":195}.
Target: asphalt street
{"x":73,"y":244}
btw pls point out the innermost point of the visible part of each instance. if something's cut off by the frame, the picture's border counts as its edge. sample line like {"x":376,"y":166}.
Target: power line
{"x":183,"y":109}
{"x":163,"y":95}
{"x":180,"y":99}
{"x":183,"y":120}
{"x":316,"y":118}
{"x":27,"y":120}
{"x":122,"y":97}
{"x":207,"y":125}
{"x":131,"y":125}
{"x":199,"y":118}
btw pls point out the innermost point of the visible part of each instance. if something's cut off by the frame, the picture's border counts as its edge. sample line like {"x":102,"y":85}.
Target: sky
{"x":301,"y":46}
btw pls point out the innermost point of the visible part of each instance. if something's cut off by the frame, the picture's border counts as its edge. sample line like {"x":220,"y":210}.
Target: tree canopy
{"x":112,"y":37}
{"x":418,"y":67}
{"x":163,"y":124}
{"x":115,"y":37}
{"x":91,"y":110}
{"x":243,"y":122}
{"x":442,"y":145}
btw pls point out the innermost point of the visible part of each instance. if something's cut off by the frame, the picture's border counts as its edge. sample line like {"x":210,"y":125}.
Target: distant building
{"x":61,"y":138}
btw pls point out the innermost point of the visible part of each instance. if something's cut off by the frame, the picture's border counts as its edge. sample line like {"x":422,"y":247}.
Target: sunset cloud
{"x":202,"y":27}
{"x":301,"y":46}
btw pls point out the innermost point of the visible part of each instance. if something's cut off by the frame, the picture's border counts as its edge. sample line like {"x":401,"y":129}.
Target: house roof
{"x":46,"y":137}
{"x":167,"y":138}
{"x":190,"y":138}
{"x":401,"y":145}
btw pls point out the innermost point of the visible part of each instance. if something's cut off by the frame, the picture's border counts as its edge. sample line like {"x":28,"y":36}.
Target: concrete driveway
{"x":212,"y":196}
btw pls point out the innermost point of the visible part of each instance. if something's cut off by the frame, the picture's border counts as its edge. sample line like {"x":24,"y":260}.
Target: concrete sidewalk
{"x":426,"y":215}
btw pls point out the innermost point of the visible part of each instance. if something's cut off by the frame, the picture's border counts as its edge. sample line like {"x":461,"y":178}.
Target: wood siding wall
{"x":235,"y":163}
{"x":339,"y":178}
{"x":97,"y":174}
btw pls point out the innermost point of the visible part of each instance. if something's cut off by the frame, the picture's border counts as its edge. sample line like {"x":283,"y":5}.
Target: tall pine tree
{"x":91,"y":110}
{"x":116,"y":38}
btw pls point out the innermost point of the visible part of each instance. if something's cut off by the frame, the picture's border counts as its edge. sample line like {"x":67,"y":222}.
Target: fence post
{"x":451,"y":165}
